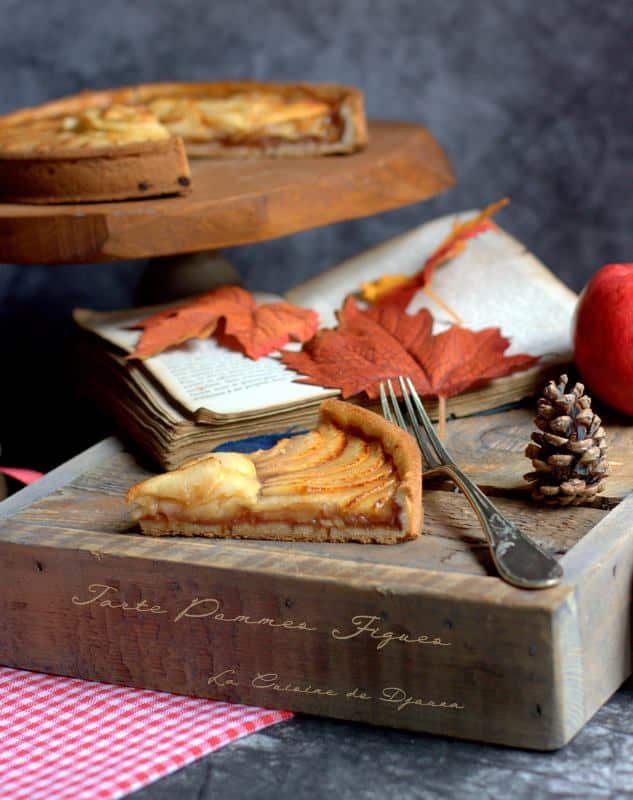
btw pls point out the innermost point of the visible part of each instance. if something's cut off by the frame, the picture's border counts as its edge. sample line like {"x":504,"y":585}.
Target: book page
{"x":495,"y":281}
{"x":201,"y":374}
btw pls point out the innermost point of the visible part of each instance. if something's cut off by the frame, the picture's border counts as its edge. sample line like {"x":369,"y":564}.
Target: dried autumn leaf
{"x":172,"y":331}
{"x":373,"y":291}
{"x":456,"y":241}
{"x":268,"y":327}
{"x":382,"y":342}
{"x":233,"y":314}
{"x":358,"y":354}
{"x":403,"y":292}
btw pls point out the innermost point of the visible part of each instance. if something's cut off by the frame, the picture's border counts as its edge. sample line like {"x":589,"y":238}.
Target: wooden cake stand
{"x":234,"y":202}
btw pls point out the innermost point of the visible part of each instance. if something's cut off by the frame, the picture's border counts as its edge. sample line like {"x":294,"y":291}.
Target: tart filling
{"x":210,"y":488}
{"x":246,"y":117}
{"x":230,"y":119}
{"x":87,"y":129}
{"x":338,"y":482}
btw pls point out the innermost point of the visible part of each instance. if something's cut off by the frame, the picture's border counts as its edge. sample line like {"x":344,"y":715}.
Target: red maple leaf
{"x":452,"y":245}
{"x":233,"y":315}
{"x":382,"y":342}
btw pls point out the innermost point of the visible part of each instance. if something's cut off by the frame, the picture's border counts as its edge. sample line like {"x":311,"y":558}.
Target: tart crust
{"x":144,"y":169}
{"x":398,"y":448}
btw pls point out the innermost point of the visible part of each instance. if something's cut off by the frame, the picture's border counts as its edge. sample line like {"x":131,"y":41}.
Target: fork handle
{"x":519,"y":560}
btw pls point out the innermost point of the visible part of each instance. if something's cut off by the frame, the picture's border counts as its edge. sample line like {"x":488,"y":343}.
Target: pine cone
{"x":568,"y":452}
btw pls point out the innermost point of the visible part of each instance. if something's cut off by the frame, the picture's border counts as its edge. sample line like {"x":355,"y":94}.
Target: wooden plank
{"x":334,"y":630}
{"x":60,"y":476}
{"x":316,"y":664}
{"x":600,"y":568}
{"x":234,"y":202}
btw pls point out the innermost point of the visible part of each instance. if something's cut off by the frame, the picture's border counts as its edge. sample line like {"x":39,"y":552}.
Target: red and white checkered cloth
{"x":25,"y":476}
{"x":68,"y":739}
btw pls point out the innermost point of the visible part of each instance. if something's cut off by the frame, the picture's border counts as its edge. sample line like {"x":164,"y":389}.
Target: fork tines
{"x":415,"y":419}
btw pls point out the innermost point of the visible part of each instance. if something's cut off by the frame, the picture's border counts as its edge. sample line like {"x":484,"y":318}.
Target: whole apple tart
{"x":133,"y":142}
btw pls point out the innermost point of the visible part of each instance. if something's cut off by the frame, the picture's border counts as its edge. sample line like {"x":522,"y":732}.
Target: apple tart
{"x":356,"y":477}
{"x":130,"y":142}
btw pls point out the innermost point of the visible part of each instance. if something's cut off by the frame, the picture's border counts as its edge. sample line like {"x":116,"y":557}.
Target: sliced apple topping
{"x":324,"y":472}
{"x":220,"y":485}
{"x":87,"y":129}
{"x":241,"y":116}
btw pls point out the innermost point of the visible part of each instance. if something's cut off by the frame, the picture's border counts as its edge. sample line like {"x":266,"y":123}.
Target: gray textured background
{"x":530,"y":99}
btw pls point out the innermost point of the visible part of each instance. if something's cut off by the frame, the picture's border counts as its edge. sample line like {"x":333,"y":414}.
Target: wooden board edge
{"x":589,"y":616}
{"x":611,"y":534}
{"x":60,"y":476}
{"x":387,"y":578}
{"x":49,"y":622}
{"x":600,"y":567}
{"x":567,"y":673}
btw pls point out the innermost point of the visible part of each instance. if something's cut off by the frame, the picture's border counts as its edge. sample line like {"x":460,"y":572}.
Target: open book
{"x":185,"y":401}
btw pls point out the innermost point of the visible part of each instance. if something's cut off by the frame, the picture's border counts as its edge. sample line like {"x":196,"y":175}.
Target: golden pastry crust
{"x":146,"y":169}
{"x":283,"y":532}
{"x":342,"y":105}
{"x":397,"y":443}
{"x":354,"y":434}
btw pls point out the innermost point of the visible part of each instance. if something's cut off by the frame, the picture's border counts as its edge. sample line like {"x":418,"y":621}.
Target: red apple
{"x":603,"y":336}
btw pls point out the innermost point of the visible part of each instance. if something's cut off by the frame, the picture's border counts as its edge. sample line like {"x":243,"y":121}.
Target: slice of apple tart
{"x":356,"y":478}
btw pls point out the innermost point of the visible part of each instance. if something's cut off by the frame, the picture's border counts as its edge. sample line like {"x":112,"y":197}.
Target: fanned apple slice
{"x":321,"y":449}
{"x":294,"y":450}
{"x":372,"y":496}
{"x":356,"y":457}
{"x":328,"y":482}
{"x":337,"y":500}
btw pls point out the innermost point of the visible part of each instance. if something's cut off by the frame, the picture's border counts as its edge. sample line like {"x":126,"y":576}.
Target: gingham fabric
{"x":25,"y":476}
{"x":68,"y":739}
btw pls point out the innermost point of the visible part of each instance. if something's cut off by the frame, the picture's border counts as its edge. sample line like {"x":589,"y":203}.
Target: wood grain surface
{"x":517,"y":667}
{"x":93,"y":506}
{"x":234,"y":202}
{"x":491,"y":449}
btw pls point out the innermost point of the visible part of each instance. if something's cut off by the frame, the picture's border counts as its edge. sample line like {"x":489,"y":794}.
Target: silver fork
{"x":518,"y":559}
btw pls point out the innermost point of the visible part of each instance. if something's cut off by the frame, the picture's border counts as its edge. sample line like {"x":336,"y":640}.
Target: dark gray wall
{"x":531,"y":99}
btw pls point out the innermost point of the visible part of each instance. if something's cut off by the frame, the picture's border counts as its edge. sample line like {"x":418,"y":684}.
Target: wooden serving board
{"x":422,"y":636}
{"x":234,"y":202}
